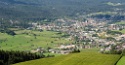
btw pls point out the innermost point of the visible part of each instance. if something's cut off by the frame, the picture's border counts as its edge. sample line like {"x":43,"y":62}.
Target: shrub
{"x":76,"y":51}
{"x":123,"y":52}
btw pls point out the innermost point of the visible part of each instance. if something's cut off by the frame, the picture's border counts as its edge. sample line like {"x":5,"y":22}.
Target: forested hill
{"x":51,"y":9}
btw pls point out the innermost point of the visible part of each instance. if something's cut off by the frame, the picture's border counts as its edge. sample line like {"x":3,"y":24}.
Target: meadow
{"x":123,"y":31}
{"x":122,"y":22}
{"x":121,"y":61}
{"x":26,"y":40}
{"x":85,"y":57}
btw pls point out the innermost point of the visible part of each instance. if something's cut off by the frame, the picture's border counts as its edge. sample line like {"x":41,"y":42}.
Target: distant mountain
{"x":28,"y":10}
{"x":11,"y":2}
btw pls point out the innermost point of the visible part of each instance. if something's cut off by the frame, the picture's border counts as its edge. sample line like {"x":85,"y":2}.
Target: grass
{"x":122,"y":22}
{"x":103,"y":13}
{"x":122,"y":31}
{"x":121,"y":61}
{"x":85,"y":57}
{"x":113,"y":4}
{"x":25,"y":40}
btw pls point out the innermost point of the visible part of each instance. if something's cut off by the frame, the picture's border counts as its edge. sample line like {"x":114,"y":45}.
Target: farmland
{"x":121,"y":61}
{"x":85,"y":57}
{"x":27,"y":40}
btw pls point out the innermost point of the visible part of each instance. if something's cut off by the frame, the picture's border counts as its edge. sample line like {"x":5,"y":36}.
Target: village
{"x":86,"y":34}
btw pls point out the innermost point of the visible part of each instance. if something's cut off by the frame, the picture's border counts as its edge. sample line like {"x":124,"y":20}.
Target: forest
{"x":37,"y":10}
{"x":11,"y":57}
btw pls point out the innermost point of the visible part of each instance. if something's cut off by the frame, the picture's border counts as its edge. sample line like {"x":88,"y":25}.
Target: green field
{"x":121,"y":61}
{"x":27,"y":40}
{"x":122,"y":31}
{"x":122,"y":22}
{"x":85,"y":57}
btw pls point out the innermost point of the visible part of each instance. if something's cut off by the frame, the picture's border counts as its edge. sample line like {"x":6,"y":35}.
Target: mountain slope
{"x":51,"y":9}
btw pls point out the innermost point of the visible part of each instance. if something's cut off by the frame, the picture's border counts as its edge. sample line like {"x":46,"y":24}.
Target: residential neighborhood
{"x":86,"y":34}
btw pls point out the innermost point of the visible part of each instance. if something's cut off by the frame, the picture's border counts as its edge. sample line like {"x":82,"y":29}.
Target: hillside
{"x":86,"y":57}
{"x":34,"y":10}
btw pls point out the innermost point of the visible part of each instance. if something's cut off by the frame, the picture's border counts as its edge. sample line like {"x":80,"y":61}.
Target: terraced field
{"x":121,"y":61}
{"x":82,"y":58}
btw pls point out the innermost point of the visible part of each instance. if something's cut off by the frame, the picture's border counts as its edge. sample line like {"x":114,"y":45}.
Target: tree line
{"x":11,"y":57}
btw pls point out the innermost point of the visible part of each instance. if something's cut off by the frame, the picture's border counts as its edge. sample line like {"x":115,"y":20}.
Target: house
{"x":60,"y":51}
{"x":122,"y":36}
{"x":39,"y":49}
{"x":67,"y":47}
{"x":65,"y":51}
{"x":123,"y":46}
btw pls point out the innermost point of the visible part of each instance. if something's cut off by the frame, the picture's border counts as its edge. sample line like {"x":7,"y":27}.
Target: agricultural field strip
{"x":121,"y":61}
{"x":83,"y":58}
